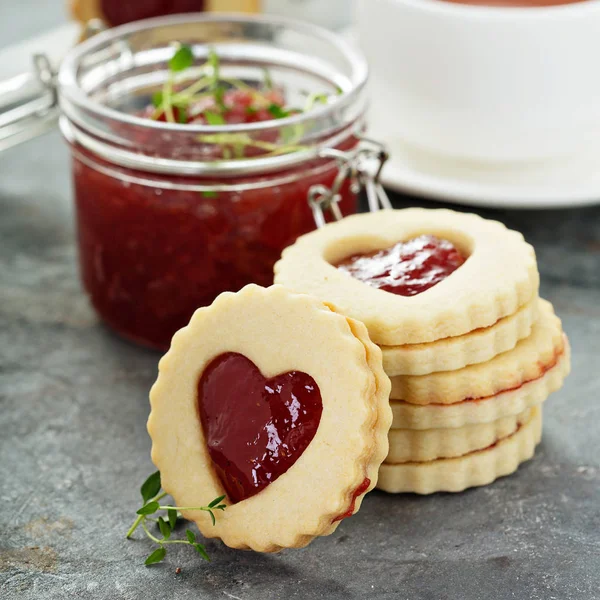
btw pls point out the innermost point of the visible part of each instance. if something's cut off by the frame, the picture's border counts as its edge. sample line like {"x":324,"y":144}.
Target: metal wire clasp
{"x":28,"y":103}
{"x":362,"y":168}
{"x":372,"y":157}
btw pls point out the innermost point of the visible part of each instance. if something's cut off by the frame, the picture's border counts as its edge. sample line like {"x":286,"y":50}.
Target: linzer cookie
{"x":421,"y":445}
{"x":471,"y":350}
{"x":452,"y":353}
{"x":277,"y":402}
{"x":528,"y":360}
{"x":483,"y":410}
{"x":473,"y":469}
{"x":414,"y":276}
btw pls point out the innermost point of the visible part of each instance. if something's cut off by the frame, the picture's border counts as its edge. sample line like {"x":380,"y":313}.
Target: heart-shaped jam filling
{"x":255,"y":428}
{"x":408,"y":268}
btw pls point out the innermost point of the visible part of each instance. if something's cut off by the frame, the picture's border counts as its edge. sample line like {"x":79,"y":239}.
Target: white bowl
{"x":485,"y":83}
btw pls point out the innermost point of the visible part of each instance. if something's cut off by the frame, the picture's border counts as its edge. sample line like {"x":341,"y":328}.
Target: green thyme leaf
{"x":158,"y":555}
{"x":213,"y":118}
{"x":150,"y":491}
{"x":212,"y":517}
{"x":278,"y":112}
{"x":219,"y":94}
{"x":164,"y":527}
{"x":338,"y":90}
{"x":250,"y":110}
{"x":182,"y":59}
{"x":216,"y":501}
{"x":181,"y":114}
{"x":172,"y":513}
{"x":202,"y":551}
{"x":149,"y":509}
{"x":315,"y":99}
{"x":209,"y":194}
{"x":157,"y":99}
{"x":151,"y":487}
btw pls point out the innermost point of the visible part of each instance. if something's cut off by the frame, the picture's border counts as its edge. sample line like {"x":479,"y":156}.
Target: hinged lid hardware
{"x":360,"y":167}
{"x":28,"y":104}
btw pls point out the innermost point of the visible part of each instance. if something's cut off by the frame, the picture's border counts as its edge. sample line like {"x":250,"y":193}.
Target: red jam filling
{"x":361,"y":489}
{"x":492,"y":446}
{"x":408,"y":268}
{"x":255,"y":428}
{"x":543,"y":369}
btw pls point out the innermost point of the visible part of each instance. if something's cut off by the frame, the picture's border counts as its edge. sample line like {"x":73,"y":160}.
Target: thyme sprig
{"x":206,"y":97}
{"x":210,"y":86}
{"x":151,"y":496}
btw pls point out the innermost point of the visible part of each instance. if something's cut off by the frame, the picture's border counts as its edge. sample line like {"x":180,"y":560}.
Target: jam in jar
{"x":183,"y":191}
{"x":151,"y":253}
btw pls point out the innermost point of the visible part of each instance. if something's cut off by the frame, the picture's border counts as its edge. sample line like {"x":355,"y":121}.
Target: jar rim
{"x":72,"y":93}
{"x":155,"y":180}
{"x":75,"y":135}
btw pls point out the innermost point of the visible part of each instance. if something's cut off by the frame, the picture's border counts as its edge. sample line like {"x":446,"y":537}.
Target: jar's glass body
{"x":153,"y":251}
{"x":168,"y":217}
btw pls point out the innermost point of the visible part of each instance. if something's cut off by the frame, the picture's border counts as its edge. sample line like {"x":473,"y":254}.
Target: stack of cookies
{"x":471,"y":350}
{"x":467,"y":409}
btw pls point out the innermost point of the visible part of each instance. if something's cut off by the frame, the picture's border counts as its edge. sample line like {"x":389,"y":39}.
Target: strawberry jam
{"x":361,"y":489}
{"x":191,"y":170}
{"x":151,"y":252}
{"x":255,"y":428}
{"x":408,"y":268}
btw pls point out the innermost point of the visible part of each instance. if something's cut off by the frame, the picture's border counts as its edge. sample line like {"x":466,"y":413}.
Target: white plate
{"x":572,"y":181}
{"x":568,"y":182}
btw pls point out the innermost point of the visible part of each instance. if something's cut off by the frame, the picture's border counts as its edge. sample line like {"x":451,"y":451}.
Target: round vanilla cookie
{"x":280,"y":332}
{"x":528,"y":360}
{"x":453,"y":353}
{"x":473,"y":469}
{"x":485,"y":410}
{"x":499,"y":276}
{"x":420,"y":445}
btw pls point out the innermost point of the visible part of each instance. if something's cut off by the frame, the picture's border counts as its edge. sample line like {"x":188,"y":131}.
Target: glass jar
{"x":168,"y":218}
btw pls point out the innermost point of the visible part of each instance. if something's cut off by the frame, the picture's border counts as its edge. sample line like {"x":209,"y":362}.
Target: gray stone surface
{"x":22,"y":19}
{"x":73,"y":446}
